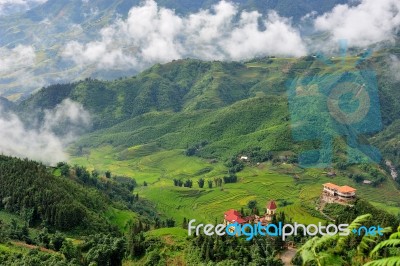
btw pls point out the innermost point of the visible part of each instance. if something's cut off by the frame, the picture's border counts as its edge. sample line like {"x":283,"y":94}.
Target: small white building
{"x":244,"y":158}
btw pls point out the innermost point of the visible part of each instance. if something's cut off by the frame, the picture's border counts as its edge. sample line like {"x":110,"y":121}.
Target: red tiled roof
{"x":271,"y":205}
{"x":234,"y":216}
{"x":346,"y":189}
{"x":343,"y":189}
{"x":331,"y":186}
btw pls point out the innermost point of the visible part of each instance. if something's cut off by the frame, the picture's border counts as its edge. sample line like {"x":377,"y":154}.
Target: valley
{"x":225,"y":125}
{"x":122,"y":121}
{"x":262,"y":183}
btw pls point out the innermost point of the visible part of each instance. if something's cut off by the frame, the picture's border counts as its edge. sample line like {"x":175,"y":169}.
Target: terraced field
{"x":262,"y":183}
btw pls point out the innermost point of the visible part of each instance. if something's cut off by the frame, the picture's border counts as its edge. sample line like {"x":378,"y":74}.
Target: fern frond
{"x":386,"y":243}
{"x":365,"y":243}
{"x":368,"y":239}
{"x":395,"y":235}
{"x":360,"y":220}
{"x":307,"y":250}
{"x":392,"y":261}
{"x":325,"y":241}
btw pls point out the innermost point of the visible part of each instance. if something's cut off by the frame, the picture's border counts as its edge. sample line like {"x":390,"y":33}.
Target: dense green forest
{"x":75,"y":200}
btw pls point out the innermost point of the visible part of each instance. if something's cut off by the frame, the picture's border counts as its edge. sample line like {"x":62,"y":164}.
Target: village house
{"x":270,"y":212}
{"x":244,"y":158}
{"x":333,"y":193}
{"x":367,"y":182}
{"x":331,"y":174}
{"x":233,"y":216}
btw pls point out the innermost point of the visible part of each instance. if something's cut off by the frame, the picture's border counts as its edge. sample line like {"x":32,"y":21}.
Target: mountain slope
{"x":218,"y":101}
{"x":66,"y":198}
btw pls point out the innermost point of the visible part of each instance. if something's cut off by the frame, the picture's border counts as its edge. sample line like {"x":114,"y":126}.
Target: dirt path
{"x":321,"y":208}
{"x":326,"y":216}
{"x":393,"y":171}
{"x":288,"y":255}
{"x":22,"y":244}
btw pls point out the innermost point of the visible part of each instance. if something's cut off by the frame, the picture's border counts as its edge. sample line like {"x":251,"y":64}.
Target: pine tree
{"x":184,"y":223}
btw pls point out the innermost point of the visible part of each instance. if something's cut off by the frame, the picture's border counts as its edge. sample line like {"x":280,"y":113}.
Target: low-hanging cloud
{"x":11,"y":6}
{"x":394,"y":65}
{"x":43,"y":143}
{"x":18,"y":58}
{"x":17,"y":67}
{"x":361,"y":25}
{"x":152,"y":34}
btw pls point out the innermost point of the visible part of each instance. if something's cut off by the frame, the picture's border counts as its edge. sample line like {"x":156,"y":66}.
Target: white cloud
{"x":11,"y":6}
{"x":151,"y":34}
{"x":247,"y":41}
{"x":369,"y":22}
{"x":42,"y":143}
{"x":14,"y":59}
{"x":18,"y":64}
{"x":394,"y":65}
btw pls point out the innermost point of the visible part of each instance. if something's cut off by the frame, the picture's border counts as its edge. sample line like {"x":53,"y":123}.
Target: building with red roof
{"x":271,"y":210}
{"x":233,"y":216}
{"x":271,"y":206}
{"x":339,"y":194}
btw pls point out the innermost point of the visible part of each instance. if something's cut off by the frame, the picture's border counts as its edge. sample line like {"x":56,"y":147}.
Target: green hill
{"x":65,"y":198}
{"x":232,"y":106}
{"x":188,"y":122}
{"x":144,"y":125}
{"x":217,"y":110}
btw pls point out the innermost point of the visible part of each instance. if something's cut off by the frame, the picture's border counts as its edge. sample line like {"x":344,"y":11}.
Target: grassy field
{"x":174,"y":242}
{"x":262,"y":183}
{"x":121,"y":218}
{"x":7,"y":217}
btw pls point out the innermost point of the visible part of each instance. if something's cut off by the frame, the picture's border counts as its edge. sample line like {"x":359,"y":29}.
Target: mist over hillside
{"x":61,"y":41}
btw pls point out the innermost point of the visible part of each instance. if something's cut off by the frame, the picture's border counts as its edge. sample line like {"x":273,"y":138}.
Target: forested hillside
{"x":65,"y":198}
{"x":188,"y":101}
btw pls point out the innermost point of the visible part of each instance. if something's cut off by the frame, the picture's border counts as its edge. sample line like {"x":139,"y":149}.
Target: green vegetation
{"x":29,"y":189}
{"x":212,"y":109}
{"x":39,"y":209}
{"x":189,"y":140}
{"x":297,"y":197}
{"x":352,"y":249}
